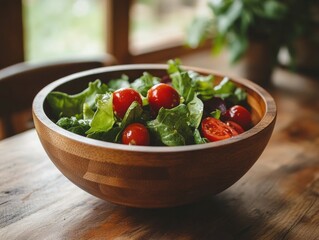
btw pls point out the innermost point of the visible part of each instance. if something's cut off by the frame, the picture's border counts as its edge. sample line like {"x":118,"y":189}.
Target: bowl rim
{"x":38,"y":110}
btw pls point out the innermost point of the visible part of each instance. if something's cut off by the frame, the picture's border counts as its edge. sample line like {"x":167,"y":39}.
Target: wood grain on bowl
{"x":152,"y":176}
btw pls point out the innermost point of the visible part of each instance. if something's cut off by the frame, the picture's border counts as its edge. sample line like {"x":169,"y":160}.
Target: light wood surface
{"x":276,"y":199}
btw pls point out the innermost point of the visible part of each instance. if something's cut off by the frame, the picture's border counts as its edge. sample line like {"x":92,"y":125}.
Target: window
{"x":157,"y":24}
{"x":133,"y":31}
{"x":57,"y":29}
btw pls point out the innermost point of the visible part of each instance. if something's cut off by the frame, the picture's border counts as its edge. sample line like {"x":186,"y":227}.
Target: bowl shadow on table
{"x":215,"y":217}
{"x":210,"y":217}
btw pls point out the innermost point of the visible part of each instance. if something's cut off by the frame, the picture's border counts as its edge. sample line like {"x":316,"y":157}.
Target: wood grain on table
{"x":277,"y":199}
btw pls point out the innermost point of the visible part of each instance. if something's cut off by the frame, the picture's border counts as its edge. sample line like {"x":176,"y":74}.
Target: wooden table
{"x":277,"y":199}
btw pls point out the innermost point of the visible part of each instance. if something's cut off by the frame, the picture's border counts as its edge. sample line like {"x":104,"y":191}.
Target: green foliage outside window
{"x":234,"y":23}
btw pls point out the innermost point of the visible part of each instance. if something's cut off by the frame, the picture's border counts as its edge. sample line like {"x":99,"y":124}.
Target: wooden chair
{"x":20,"y":83}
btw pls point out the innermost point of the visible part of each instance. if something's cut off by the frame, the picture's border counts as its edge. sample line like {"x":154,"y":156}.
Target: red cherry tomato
{"x":239,"y":115}
{"x":215,"y":130}
{"x":162,"y":95}
{"x":235,"y":126}
{"x":123,"y":98}
{"x":136,"y":134}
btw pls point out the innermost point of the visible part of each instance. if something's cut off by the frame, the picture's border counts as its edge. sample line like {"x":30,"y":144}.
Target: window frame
{"x":119,"y":19}
{"x":11,"y":28}
{"x":117,"y":36}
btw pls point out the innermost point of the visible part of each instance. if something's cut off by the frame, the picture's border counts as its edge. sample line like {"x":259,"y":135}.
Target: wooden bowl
{"x":151,"y":176}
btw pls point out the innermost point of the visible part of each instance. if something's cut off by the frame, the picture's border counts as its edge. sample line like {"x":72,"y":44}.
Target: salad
{"x":181,"y":108}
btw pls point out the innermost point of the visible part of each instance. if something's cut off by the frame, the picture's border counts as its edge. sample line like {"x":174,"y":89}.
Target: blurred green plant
{"x":234,"y":23}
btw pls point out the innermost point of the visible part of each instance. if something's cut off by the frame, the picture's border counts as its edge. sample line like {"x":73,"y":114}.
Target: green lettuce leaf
{"x":144,"y":83}
{"x":183,"y":85}
{"x":196,"y":109}
{"x":72,"y":124}
{"x":174,"y":66}
{"x":103,"y":119}
{"x":118,"y":83}
{"x":109,"y":136}
{"x":227,"y":90}
{"x":204,"y":85}
{"x":133,"y":114}
{"x":65,"y":105}
{"x":181,"y":81}
{"x":216,"y":114}
{"x":88,"y":113}
{"x":198,"y":139}
{"x":171,"y":127}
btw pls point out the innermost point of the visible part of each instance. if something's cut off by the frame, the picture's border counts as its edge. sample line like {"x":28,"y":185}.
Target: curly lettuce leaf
{"x":109,"y":136}
{"x":181,"y":81}
{"x":196,"y":109}
{"x":174,"y":66}
{"x":65,"y":105}
{"x":122,"y":82}
{"x":183,"y":85}
{"x":204,"y":85}
{"x":88,"y":113}
{"x":103,"y":119}
{"x":133,"y":114}
{"x":227,"y":90}
{"x":189,"y":83}
{"x":144,"y":83}
{"x":171,"y":127}
{"x":198,"y":139}
{"x":216,"y":114}
{"x":72,"y":124}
